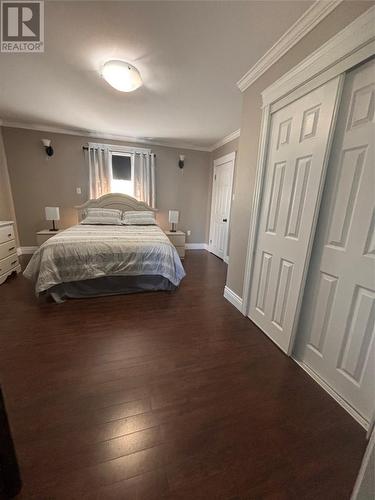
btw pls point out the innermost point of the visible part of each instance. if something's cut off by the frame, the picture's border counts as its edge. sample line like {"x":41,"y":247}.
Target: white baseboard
{"x":233,"y":298}
{"x":362,"y":421}
{"x":196,"y":246}
{"x":26,"y":250}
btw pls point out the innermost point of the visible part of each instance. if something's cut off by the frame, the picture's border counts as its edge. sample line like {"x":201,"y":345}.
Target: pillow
{"x":138,"y":218}
{"x":109,"y":216}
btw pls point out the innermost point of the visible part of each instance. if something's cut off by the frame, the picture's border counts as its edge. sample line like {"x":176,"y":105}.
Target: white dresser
{"x":8,"y":251}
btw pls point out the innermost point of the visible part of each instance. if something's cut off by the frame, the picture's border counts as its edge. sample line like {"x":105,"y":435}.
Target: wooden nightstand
{"x":44,"y":235}
{"x":178,"y":240}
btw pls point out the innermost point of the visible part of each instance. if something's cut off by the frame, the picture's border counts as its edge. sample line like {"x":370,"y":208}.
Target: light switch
{"x":79,"y":191}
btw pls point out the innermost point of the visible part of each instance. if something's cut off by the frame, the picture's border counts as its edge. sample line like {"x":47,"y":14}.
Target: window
{"x":122,"y":180}
{"x":121,"y":169}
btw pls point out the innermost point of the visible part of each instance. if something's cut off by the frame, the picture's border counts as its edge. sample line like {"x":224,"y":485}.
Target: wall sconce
{"x":181,"y":161}
{"x":47,"y":146}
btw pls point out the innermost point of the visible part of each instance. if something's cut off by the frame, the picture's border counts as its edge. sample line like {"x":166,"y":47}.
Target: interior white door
{"x":336,"y":331}
{"x":296,"y":159}
{"x":221,"y":203}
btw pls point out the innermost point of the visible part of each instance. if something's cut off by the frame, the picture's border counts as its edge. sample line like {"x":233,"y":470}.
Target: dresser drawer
{"x":8,"y":263}
{"x":7,"y":249}
{"x":6,"y":233}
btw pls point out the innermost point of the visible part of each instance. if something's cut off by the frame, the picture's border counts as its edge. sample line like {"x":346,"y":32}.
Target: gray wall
{"x":5,"y":193}
{"x":250,"y":130}
{"x":37,"y":182}
{"x":227,"y":148}
{"x":7,"y":211}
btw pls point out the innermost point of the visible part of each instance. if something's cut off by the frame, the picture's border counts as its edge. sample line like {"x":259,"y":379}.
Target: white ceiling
{"x":190,"y":55}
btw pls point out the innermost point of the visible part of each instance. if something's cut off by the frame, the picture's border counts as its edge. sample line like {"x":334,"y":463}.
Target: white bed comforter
{"x":84,"y":252}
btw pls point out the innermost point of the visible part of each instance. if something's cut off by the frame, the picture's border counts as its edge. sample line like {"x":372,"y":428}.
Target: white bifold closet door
{"x":296,"y":159}
{"x":336,"y":331}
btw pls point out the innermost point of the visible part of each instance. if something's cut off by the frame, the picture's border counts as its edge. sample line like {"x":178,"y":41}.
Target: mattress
{"x":85,"y":252}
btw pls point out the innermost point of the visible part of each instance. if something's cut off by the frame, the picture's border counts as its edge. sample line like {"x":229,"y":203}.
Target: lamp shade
{"x":52,"y":213}
{"x":173,"y":216}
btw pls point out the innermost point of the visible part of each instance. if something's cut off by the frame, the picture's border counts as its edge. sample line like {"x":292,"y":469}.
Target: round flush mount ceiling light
{"x":121,"y":75}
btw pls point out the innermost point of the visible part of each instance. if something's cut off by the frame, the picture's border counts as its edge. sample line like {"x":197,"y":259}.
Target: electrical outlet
{"x":188,"y":232}
{"x":78,"y":190}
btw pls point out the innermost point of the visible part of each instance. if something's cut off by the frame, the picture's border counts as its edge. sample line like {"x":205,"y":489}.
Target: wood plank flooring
{"x":162,"y":395}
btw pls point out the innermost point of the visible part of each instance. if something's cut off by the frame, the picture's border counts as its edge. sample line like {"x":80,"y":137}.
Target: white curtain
{"x":99,"y":171}
{"x":144,"y":178}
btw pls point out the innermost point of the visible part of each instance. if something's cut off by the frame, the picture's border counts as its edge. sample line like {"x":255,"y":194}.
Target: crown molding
{"x":224,"y":140}
{"x":309,"y":19}
{"x":101,"y":135}
{"x":348,"y":47}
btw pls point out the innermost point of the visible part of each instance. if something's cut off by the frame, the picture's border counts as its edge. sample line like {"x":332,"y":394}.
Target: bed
{"x":95,"y":260}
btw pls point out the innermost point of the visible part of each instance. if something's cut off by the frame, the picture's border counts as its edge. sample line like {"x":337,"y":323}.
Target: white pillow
{"x":108,"y":216}
{"x":138,"y":218}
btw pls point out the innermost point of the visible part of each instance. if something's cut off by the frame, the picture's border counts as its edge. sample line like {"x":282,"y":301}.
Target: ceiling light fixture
{"x":121,"y":75}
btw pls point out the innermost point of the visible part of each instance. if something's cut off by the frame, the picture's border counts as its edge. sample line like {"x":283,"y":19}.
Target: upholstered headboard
{"x":113,"y":200}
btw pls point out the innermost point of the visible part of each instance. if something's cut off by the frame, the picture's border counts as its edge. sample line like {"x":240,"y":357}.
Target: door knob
{"x":225,"y":220}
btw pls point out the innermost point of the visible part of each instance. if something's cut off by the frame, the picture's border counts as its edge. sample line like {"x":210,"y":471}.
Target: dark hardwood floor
{"x":163,"y":395}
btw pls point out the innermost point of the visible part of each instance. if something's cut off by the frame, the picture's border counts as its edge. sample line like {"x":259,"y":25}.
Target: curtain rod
{"x":86,"y":148}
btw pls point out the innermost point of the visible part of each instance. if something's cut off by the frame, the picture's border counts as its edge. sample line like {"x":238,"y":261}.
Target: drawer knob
{"x":14,"y":262}
{"x":9,"y":235}
{"x":11,"y":248}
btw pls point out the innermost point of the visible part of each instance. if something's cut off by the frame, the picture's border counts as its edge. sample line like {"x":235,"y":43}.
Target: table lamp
{"x":173,"y":219}
{"x":52,"y":213}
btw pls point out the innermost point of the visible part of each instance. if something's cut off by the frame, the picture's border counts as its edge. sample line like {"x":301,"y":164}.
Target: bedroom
{"x":186,"y":389}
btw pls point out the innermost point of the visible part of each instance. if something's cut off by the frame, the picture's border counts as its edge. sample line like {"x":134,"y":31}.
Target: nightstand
{"x":178,"y":240}
{"x":44,"y":235}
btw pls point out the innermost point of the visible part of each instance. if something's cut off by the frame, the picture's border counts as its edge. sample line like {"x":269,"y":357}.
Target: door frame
{"x":365,"y":466}
{"x":230,"y":157}
{"x":351,"y":46}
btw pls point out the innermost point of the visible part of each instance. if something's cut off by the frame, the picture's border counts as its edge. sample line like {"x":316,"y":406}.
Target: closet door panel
{"x":296,"y":158}
{"x":336,"y":337}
